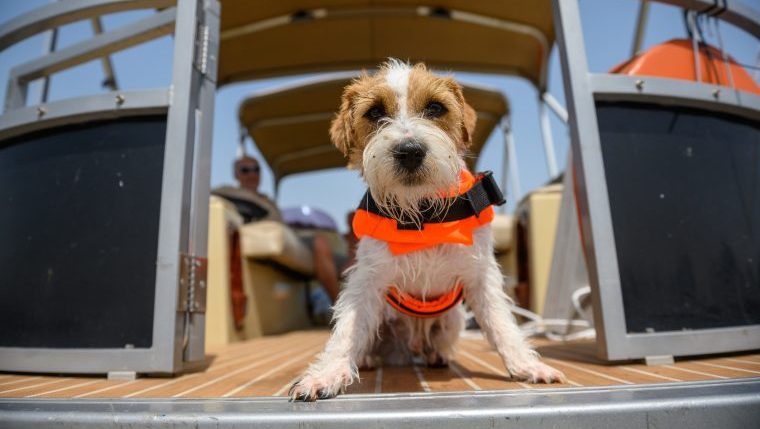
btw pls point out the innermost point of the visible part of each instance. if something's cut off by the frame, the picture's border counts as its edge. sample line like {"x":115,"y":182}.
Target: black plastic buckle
{"x":495,"y":196}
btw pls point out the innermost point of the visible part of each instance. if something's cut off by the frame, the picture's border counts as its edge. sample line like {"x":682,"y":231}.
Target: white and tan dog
{"x":407,"y":130}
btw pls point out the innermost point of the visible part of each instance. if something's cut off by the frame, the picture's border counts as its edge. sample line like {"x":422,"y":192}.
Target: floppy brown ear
{"x":341,"y":132}
{"x":469,"y":118}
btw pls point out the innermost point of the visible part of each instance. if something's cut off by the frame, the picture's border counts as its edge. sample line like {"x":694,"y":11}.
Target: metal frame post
{"x":555,"y":105}
{"x":546,"y":135}
{"x":188,"y":141}
{"x":598,"y":237}
{"x":510,"y":169}
{"x":641,"y":24}
{"x":178,"y":323}
{"x":110,"y":75}
{"x":583,"y":89}
{"x":52,"y":41}
{"x":568,"y":268}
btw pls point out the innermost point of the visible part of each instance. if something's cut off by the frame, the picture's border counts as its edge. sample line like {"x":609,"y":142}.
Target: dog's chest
{"x":431,"y":272}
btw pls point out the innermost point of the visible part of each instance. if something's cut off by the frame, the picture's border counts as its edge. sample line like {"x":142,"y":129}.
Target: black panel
{"x":684,"y":188}
{"x":79,"y":228}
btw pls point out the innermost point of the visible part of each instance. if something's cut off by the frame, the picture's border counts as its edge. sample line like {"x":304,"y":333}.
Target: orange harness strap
{"x":411,"y":306}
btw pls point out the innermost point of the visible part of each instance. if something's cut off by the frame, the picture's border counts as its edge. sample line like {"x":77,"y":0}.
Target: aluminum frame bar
{"x":641,"y":24}
{"x":65,"y":12}
{"x":82,"y":109}
{"x":726,"y":404}
{"x":510,"y":160}
{"x":555,"y":105}
{"x":99,"y":46}
{"x":110,"y":80}
{"x":734,"y":12}
{"x":548,"y":139}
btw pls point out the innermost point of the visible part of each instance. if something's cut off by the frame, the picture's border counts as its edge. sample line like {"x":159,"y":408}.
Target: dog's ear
{"x":469,"y":117}
{"x":341,"y":131}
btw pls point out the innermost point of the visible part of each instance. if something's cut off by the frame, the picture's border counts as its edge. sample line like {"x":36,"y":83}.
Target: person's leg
{"x":324,"y":266}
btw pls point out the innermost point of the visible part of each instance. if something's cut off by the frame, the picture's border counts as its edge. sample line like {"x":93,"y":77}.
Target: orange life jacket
{"x":402,"y":241}
{"x":472,"y":209}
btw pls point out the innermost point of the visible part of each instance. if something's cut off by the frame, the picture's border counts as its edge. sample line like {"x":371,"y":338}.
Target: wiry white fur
{"x":397,"y":77}
{"x":366,"y":327}
{"x":439,"y":171}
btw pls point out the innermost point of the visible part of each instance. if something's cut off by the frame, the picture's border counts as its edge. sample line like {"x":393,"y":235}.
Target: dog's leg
{"x":485,"y":295}
{"x":358,"y":315}
{"x":444,"y":334}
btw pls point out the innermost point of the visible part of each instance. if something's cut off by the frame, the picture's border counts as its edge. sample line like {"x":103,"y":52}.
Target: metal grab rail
{"x":99,"y":46}
{"x":738,"y":14}
{"x":65,"y":12}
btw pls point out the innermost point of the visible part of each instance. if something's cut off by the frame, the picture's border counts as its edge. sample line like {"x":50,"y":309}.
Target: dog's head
{"x":406,"y":130}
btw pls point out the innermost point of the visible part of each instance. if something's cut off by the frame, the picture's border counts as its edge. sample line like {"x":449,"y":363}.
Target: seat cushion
{"x":501,"y":226}
{"x":274,"y":241}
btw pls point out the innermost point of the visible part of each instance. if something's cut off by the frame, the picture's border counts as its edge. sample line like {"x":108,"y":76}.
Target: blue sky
{"x":608,"y":31}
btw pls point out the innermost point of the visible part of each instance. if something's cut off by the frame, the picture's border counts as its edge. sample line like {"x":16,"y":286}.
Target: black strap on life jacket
{"x":484,"y":193}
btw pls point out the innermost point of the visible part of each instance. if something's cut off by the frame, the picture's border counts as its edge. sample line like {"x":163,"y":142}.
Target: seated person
{"x":253,"y":206}
{"x":351,"y":241}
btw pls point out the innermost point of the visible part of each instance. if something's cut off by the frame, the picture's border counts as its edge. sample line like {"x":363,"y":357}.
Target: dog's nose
{"x":409,"y":154}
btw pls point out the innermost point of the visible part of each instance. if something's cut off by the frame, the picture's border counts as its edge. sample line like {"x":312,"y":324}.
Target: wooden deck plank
{"x":740,"y":363}
{"x":34,"y":385}
{"x":572,"y":357}
{"x":486,"y":357}
{"x":286,"y":369}
{"x":484,"y":374}
{"x":268,"y":366}
{"x":367,"y":382}
{"x":444,"y":380}
{"x":720,"y":373}
{"x":243,"y":356}
{"x":24,"y":380}
{"x":400,"y":380}
{"x":216,"y":382}
{"x":732,"y":366}
{"x":83,"y":387}
{"x":11,"y":380}
{"x":65,"y":391}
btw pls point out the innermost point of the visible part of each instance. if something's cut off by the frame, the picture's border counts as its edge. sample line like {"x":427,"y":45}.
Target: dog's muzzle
{"x":409,"y":155}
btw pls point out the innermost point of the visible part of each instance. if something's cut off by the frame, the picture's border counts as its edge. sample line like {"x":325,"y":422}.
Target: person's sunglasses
{"x":246,"y":170}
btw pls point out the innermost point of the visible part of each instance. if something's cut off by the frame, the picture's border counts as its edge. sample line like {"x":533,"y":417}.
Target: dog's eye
{"x":434,"y":109}
{"x":375,"y":113}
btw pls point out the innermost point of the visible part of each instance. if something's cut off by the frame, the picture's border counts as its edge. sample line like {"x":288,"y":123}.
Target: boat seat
{"x":276,"y":242}
{"x":501,"y":226}
{"x":274,"y":265}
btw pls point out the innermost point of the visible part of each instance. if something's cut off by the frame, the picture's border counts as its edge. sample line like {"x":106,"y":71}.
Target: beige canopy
{"x":290,"y":125}
{"x":263,"y":38}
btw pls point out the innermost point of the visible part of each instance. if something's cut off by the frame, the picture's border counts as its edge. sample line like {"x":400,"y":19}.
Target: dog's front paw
{"x":310,"y":388}
{"x":536,"y":372}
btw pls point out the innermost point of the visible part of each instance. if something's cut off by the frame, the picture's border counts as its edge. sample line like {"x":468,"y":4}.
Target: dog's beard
{"x":410,"y":196}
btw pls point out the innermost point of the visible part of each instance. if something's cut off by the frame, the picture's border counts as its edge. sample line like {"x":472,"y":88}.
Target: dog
{"x":407,"y":131}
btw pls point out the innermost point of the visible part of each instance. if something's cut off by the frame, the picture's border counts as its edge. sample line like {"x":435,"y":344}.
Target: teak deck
{"x":268,"y":366}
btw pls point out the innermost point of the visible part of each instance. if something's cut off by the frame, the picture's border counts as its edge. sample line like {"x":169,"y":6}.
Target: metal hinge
{"x":192,"y":284}
{"x":201,"y":49}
